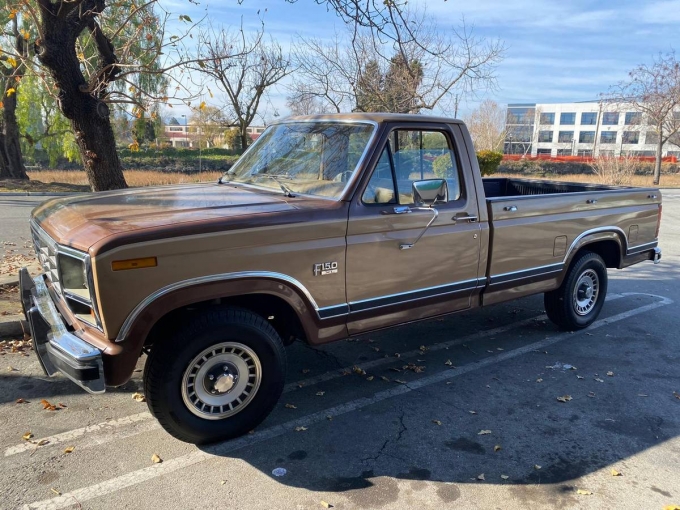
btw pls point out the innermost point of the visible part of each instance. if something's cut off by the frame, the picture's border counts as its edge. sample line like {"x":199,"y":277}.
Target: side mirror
{"x":430,"y":191}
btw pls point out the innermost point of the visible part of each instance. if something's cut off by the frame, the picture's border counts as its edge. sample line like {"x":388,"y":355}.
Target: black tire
{"x":572,"y":313}
{"x":168,"y":376}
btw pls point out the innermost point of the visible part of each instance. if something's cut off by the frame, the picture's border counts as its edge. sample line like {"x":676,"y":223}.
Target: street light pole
{"x":186,"y":133}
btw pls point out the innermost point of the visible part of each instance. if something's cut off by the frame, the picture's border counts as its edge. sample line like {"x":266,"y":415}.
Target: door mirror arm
{"x":426,"y":194}
{"x":435,"y":215}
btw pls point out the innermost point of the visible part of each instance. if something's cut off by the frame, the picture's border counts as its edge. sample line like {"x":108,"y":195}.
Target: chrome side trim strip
{"x":329,"y":312}
{"x":526,"y":273}
{"x":414,"y":295}
{"x":127,"y":325}
{"x":642,"y":247}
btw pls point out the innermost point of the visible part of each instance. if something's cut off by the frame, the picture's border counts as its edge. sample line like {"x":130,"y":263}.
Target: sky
{"x":556,"y":51}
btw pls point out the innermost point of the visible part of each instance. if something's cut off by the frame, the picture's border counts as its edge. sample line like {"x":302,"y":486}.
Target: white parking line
{"x":69,"y":436}
{"x":111,"y":434}
{"x":142,"y":475}
{"x":328,"y":376}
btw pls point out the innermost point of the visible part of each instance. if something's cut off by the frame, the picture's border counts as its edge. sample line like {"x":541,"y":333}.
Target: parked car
{"x":328,"y":226}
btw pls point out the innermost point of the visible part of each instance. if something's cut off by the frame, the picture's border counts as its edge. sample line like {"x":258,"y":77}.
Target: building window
{"x":544,"y":152}
{"x":521,"y":116}
{"x":567,"y":119}
{"x":585,"y":153}
{"x":606,"y":154}
{"x":545,"y":136}
{"x":172,"y":128}
{"x":610,"y":118}
{"x":631,"y":137}
{"x":547,"y":119}
{"x":651,"y":137}
{"x":565,"y":137}
{"x":633,"y":118}
{"x":608,"y":137}
{"x":586,"y":137}
{"x":564,"y":152}
{"x":588,"y":119}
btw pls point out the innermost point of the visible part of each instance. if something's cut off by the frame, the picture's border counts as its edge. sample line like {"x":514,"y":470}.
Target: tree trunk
{"x":244,"y":139}
{"x":657,"y":164}
{"x":11,"y":146}
{"x":88,"y":113}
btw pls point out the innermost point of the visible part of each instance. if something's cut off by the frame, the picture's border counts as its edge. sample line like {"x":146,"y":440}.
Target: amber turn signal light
{"x":122,"y":265}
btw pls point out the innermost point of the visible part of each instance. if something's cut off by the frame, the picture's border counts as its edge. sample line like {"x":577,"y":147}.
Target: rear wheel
{"x":217,"y":377}
{"x":579,"y":300}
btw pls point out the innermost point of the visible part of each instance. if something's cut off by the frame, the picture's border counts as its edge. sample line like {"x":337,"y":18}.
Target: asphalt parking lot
{"x":460,"y":412}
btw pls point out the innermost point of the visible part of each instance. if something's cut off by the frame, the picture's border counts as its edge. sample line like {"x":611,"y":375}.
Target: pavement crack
{"x":324,"y":355}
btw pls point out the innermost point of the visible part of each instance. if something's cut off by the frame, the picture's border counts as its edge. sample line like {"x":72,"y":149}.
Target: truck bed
{"x":500,"y":187}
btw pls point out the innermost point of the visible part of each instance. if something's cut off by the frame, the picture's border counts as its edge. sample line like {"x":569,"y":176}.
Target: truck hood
{"x":83,"y":221}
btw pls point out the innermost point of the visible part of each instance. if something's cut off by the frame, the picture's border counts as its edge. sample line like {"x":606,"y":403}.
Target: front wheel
{"x":577,"y":303}
{"x":217,"y":377}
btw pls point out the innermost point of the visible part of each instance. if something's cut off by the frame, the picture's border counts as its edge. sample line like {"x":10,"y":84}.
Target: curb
{"x":39,"y":193}
{"x":9,"y":282}
{"x":13,"y":328}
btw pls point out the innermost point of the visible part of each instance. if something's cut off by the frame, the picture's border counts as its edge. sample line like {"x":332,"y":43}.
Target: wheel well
{"x":609,"y":251}
{"x":274,"y":309}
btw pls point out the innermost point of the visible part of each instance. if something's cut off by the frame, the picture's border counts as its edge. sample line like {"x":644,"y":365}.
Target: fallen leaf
{"x":305,"y":370}
{"x":55,"y":491}
{"x":12,"y":369}
{"x":369,"y":378}
{"x":300,"y":429}
{"x":537,"y":466}
{"x":27,"y":436}
{"x":676,"y":395}
{"x":320,"y":393}
{"x":69,"y":449}
{"x":598,"y":379}
{"x":565,"y":398}
{"x":43,"y":442}
{"x":63,"y":406}
{"x":580,"y":377}
{"x":358,"y":370}
{"x":397,"y":355}
{"x":448,"y":363}
{"x":591,"y":394}
{"x":614,"y":472}
{"x":480,"y":477}
{"x":290,"y":406}
{"x":399,"y":381}
{"x":422,"y":348}
{"x":642,"y":395}
{"x":395,"y":369}
{"x":497,"y":447}
{"x":610,"y":374}
{"x":483,"y":432}
{"x":671,"y":507}
{"x":47,"y":406}
{"x":499,"y":349}
{"x":505,"y":477}
{"x":539,"y":380}
{"x":138,"y":397}
{"x":326,"y":504}
{"x":21,"y":401}
{"x":472,"y":412}
{"x":436,"y":422}
{"x":223,"y":482}
{"x":384,"y":378}
{"x":329,"y":418}
{"x":156,"y":459}
{"x":449,"y":382}
{"x":584,"y":492}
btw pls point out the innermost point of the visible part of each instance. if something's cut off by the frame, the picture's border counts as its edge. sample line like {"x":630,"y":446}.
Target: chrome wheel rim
{"x":586,"y":292}
{"x":221,"y":381}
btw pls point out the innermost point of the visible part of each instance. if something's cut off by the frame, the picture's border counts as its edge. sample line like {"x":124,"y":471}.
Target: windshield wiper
{"x":286,"y":190}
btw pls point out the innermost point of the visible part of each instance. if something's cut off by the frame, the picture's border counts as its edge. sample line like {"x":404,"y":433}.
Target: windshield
{"x":313,"y":158}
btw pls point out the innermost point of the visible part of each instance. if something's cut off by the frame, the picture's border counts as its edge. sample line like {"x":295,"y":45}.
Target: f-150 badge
{"x":325,"y":268}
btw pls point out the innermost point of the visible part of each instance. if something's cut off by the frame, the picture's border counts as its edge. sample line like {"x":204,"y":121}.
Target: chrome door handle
{"x":591,"y":201}
{"x":510,"y":208}
{"x":402,"y":209}
{"x":471,"y":219}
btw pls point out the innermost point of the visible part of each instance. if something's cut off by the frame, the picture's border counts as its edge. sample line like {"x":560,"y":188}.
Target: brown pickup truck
{"x":328,"y":226}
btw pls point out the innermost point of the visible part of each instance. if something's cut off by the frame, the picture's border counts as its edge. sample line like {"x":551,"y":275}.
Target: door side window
{"x":408,"y":156}
{"x":380,"y":189}
{"x":421,"y":155}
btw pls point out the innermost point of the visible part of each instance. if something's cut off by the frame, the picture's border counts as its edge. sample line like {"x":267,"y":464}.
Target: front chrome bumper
{"x":58,"y":350}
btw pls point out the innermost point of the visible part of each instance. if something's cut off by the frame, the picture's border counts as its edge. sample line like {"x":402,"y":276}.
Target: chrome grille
{"x":46,"y":251}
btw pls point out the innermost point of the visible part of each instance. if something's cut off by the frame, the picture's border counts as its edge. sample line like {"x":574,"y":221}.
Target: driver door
{"x":387,"y":283}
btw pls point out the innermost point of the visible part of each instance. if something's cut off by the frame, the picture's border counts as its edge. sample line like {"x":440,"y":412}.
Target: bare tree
{"x":416,"y":66}
{"x":486,"y":124}
{"x":300,"y":103}
{"x":616,"y":171}
{"x":254,"y":66}
{"x":211,"y":123}
{"x":654,"y":90}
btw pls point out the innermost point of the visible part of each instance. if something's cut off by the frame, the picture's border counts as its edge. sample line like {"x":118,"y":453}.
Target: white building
{"x":589,"y":128}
